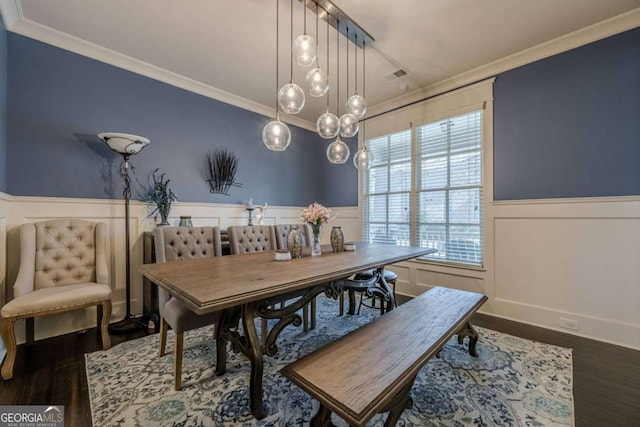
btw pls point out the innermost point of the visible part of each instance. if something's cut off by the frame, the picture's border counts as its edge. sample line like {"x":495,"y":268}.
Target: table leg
{"x":254,"y":353}
{"x":468,"y":331}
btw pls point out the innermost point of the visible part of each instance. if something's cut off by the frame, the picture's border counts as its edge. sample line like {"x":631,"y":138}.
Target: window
{"x":432,"y":198}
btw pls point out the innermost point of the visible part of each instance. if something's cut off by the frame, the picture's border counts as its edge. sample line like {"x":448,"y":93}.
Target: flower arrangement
{"x":161,"y":195}
{"x":316,"y":215}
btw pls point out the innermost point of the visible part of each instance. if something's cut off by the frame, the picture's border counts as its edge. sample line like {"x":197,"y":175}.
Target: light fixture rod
{"x":341,"y":21}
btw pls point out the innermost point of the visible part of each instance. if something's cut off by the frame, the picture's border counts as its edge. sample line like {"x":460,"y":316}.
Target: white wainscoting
{"x":577,"y":259}
{"x":15,"y":211}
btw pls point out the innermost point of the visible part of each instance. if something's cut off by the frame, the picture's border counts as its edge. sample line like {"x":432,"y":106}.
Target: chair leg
{"x":104,"y":312}
{"x":177,"y":362}
{"x":163,"y":336}
{"x":9,"y":338}
{"x":341,"y":298}
{"x":29,"y":329}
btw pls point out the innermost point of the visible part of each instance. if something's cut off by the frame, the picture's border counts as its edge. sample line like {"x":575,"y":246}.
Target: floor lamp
{"x":126,"y":145}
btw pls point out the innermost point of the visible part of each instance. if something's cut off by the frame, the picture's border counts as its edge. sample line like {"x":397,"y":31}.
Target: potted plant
{"x":160,"y":195}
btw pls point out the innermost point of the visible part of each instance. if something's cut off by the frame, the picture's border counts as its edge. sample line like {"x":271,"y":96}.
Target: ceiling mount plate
{"x":334,"y":15}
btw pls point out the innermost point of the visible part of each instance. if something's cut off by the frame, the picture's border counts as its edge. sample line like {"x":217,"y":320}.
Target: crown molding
{"x":16,"y":23}
{"x":617,"y":24}
{"x":11,"y":12}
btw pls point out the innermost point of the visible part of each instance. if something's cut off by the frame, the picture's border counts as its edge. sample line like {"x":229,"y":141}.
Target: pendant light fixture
{"x":328,"y":124}
{"x":348,"y":122}
{"x":363,"y":159}
{"x":276,"y":135}
{"x":317,"y":79}
{"x":291,"y":96}
{"x":304,"y":48}
{"x":356,"y":104}
{"x":338,"y":152}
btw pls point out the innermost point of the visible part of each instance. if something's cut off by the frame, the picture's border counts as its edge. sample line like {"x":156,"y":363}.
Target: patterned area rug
{"x":513,"y":382}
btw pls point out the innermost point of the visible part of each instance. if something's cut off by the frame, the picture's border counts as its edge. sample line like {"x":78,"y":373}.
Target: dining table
{"x":254,"y":285}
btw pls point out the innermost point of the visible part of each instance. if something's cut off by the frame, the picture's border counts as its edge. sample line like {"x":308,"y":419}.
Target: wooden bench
{"x":372,"y":369}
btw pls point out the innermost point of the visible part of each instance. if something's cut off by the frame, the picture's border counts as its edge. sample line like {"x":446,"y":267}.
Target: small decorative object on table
{"x":161,"y":195}
{"x":185,"y":221}
{"x":337,"y":239}
{"x":316,"y":215}
{"x":349,"y":246}
{"x":282,"y":255}
{"x":294,"y":242}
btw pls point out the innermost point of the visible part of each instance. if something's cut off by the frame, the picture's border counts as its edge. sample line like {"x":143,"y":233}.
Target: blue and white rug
{"x":513,"y":382}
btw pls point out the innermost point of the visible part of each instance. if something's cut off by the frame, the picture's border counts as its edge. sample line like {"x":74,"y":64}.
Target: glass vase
{"x":315,"y":239}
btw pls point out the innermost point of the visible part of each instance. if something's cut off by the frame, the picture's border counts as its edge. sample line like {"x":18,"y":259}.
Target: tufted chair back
{"x":282,"y":232}
{"x":180,"y":243}
{"x":61,"y":252}
{"x":245,"y":239}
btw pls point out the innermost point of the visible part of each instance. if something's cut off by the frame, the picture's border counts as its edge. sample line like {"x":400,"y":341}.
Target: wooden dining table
{"x":249,"y":286}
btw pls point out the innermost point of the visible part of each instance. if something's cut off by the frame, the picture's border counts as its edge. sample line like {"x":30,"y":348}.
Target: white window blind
{"x":388,"y":190}
{"x":441,"y":207}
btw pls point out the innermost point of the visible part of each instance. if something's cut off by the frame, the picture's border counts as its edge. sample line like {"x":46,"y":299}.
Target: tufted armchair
{"x":282,"y":232}
{"x":63,"y":267}
{"x":177,"y":244}
{"x":245,"y":239}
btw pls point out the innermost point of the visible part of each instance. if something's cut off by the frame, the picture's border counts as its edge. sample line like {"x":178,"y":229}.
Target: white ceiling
{"x":228,"y":46}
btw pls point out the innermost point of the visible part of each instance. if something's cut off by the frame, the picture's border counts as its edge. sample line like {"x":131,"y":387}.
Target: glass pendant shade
{"x":363,"y":159}
{"x":318,"y":82}
{"x":338,"y":152}
{"x":348,"y":125}
{"x":357,"y":106}
{"x":304,"y":50}
{"x":276,"y":135}
{"x":291,"y":98}
{"x":328,"y":125}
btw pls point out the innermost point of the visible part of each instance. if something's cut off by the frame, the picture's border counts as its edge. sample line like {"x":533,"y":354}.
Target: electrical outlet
{"x":115,"y":313}
{"x":572,"y":324}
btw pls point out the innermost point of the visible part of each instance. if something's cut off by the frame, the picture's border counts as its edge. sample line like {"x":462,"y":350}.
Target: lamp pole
{"x":125,"y":145}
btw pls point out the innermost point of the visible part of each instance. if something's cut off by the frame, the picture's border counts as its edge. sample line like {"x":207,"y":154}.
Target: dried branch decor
{"x":220,"y":171}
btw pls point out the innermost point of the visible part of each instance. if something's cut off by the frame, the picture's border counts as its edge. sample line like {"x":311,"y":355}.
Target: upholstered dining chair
{"x":282,"y":232}
{"x":182,"y":243}
{"x":247,"y":239}
{"x":63,"y":267}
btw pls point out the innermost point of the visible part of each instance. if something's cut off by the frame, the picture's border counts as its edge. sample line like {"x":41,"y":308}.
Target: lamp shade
{"x":304,"y":50}
{"x":338,"y":152}
{"x":276,"y":135}
{"x":363,"y":159}
{"x":348,"y":125}
{"x":357,"y":106}
{"x":124,"y":143}
{"x":328,"y":125}
{"x":291,"y":98}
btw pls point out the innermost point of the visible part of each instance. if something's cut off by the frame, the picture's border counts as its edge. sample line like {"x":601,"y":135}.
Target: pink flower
{"x":316,"y":214}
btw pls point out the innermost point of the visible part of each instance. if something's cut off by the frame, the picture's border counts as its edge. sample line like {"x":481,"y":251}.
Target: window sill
{"x":455,"y":265}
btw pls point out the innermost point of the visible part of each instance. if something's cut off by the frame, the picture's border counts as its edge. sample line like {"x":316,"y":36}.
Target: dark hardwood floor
{"x":606,"y":377}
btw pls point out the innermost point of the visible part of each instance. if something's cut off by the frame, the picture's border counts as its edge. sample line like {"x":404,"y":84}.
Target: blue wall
{"x":58,"y":101}
{"x":569,"y":125}
{"x":3,"y":106}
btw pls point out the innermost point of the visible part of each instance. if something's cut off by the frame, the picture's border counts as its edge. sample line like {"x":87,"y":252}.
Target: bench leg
{"x":396,"y":406}
{"x":468,"y":331}
{"x":322,"y":418}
